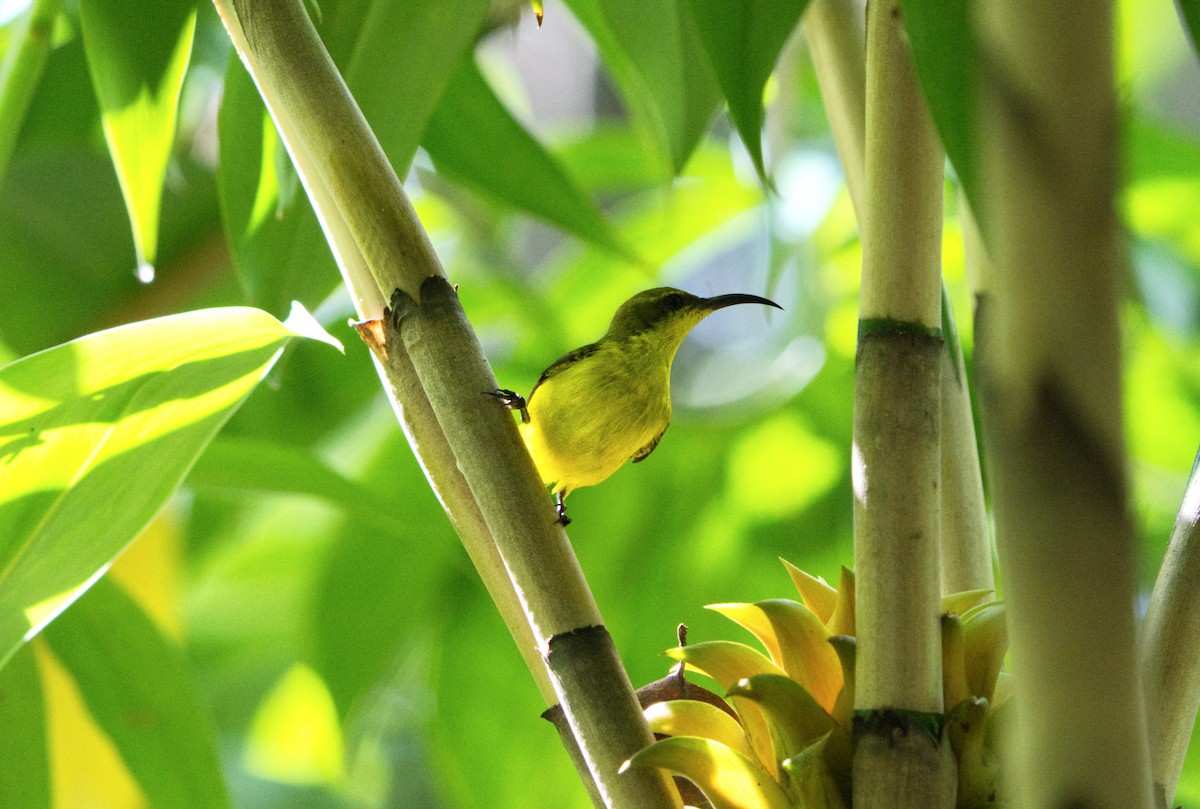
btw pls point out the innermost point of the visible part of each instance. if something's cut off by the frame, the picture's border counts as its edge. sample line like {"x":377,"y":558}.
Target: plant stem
{"x":896,"y":457}
{"x":436,"y":374}
{"x":966,"y":549}
{"x":1048,"y":356}
{"x":21,"y":69}
{"x":836,"y":39}
{"x":834,"y":29}
{"x":1171,"y":647}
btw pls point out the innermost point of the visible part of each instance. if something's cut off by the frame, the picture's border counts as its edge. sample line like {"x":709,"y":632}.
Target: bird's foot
{"x":511,"y":400}
{"x":560,"y":508}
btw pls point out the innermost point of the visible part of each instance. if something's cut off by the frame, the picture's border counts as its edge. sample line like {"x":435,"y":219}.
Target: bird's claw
{"x":560,"y":508}
{"x":512,"y":400}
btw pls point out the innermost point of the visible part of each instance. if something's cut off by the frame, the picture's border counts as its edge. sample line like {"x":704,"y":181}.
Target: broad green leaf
{"x":138,"y":689}
{"x":474,"y":139}
{"x":21,"y":69}
{"x":743,"y":42}
{"x":137,"y":53}
{"x":728,"y":779}
{"x":1190,"y":11}
{"x":25,"y":776}
{"x":406,"y":55}
{"x":655,"y":55}
{"x":279,"y":251}
{"x":97,"y":433}
{"x":943,"y":49}
{"x":249,"y":465}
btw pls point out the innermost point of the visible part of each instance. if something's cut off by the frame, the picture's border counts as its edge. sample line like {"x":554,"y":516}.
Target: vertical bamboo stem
{"x":1049,"y":361}
{"x":896,"y":458}
{"x":836,"y":39}
{"x":966,"y":548}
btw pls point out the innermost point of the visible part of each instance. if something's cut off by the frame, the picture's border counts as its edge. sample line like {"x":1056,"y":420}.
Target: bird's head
{"x":670,"y":313}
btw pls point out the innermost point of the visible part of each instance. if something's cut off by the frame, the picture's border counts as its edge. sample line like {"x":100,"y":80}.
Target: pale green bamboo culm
{"x":1048,"y":353}
{"x":1171,"y":647}
{"x":897,"y":452}
{"x":434,"y":370}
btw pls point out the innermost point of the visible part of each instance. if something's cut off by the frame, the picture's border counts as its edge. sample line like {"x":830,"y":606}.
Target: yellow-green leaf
{"x":97,"y":433}
{"x":727,"y":662}
{"x":797,"y":640}
{"x":137,"y":54}
{"x":959,"y":603}
{"x":795,"y":718}
{"x":985,"y":642}
{"x":728,"y":779}
{"x":691,"y":717}
{"x":816,"y":594}
{"x":811,"y":783}
{"x":724,"y":661}
{"x":137,"y":687}
{"x":842,"y":621}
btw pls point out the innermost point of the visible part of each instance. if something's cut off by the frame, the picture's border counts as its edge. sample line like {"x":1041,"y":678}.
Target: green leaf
{"x":943,"y":49}
{"x":1190,"y":11}
{"x":743,"y":42}
{"x":725,"y":661}
{"x":405,"y":57}
{"x":795,"y":718}
{"x":279,"y":251}
{"x":471,"y":127}
{"x":97,"y":433}
{"x":656,"y":57}
{"x":247,"y":465}
{"x":25,"y":776}
{"x":728,"y":779}
{"x":810,"y":780}
{"x":21,"y":70}
{"x":137,"y":54}
{"x":689,"y":717}
{"x":138,"y":689}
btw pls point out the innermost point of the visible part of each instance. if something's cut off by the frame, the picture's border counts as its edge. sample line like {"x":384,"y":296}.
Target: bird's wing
{"x":643,"y":453}
{"x":565,"y":361}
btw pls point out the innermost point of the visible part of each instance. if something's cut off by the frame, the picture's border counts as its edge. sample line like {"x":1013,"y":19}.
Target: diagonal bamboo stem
{"x":1171,"y":647}
{"x":435,"y":372}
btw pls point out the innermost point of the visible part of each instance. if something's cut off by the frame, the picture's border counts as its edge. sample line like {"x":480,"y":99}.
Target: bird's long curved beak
{"x":721,"y":301}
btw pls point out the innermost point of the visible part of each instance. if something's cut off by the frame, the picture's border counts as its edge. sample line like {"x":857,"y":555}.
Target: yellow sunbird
{"x":610,"y":401}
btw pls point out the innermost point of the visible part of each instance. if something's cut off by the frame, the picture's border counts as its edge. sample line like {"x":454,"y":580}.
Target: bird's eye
{"x":674,"y":301}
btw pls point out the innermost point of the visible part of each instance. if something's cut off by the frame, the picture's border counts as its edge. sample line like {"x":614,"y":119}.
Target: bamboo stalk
{"x":835,"y":33}
{"x":1049,"y":365}
{"x":898,"y":762}
{"x":837,"y":40}
{"x":381,"y":246}
{"x":966,"y":548}
{"x":1171,"y":647}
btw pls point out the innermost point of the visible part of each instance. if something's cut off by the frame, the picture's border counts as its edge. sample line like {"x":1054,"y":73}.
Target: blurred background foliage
{"x":340,"y":644}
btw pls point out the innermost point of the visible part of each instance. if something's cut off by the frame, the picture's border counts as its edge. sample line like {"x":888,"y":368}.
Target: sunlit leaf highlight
{"x":137,"y":53}
{"x":97,"y":433}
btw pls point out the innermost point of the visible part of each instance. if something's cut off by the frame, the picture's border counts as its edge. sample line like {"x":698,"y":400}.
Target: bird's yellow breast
{"x":588,"y":419}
